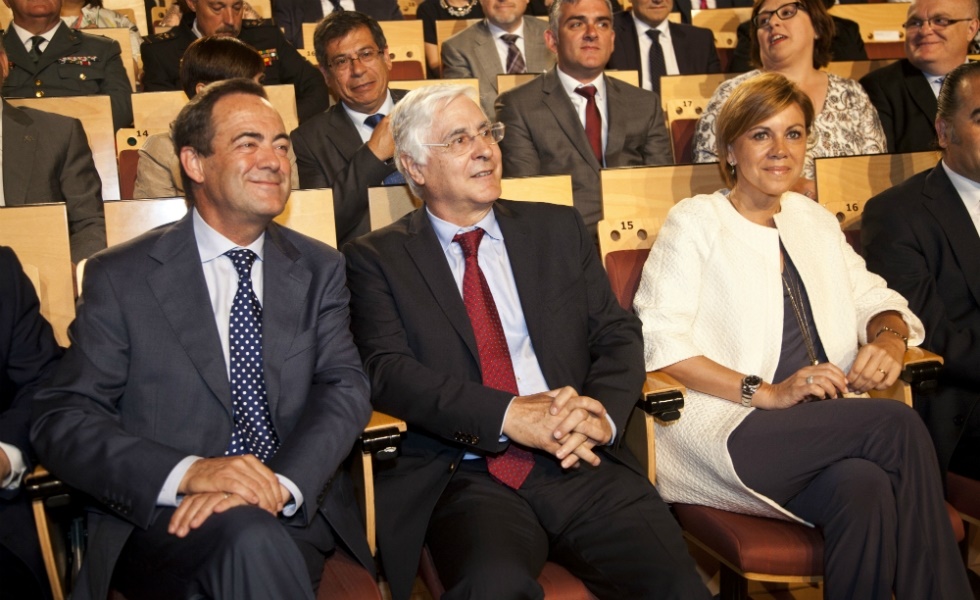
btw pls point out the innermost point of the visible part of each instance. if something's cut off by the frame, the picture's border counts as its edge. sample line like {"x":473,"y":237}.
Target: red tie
{"x":704,"y":4}
{"x":513,"y":466}
{"x":593,"y":120}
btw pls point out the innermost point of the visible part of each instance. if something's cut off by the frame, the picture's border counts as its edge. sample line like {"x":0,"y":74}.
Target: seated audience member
{"x":291,"y":14}
{"x":575,"y":120}
{"x":431,"y":11}
{"x":541,"y":8}
{"x":684,"y":6}
{"x":212,"y":458}
{"x":349,"y":147}
{"x":505,"y":42}
{"x":49,"y":59}
{"x":85,"y":14}
{"x":175,"y":14}
{"x":846,"y":44}
{"x":47,"y":158}
{"x":921,"y":236}
{"x":283,"y":64}
{"x":28,"y":353}
{"x":937,"y":39}
{"x":206,"y":60}
{"x":650,"y":44}
{"x":752,"y":298}
{"x":794,"y":40}
{"x":501,"y":406}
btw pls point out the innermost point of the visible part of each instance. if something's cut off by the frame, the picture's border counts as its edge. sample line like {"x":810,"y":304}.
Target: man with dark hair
{"x":283,"y":64}
{"x":937,"y":39}
{"x":49,"y":59}
{"x":490,"y":328}
{"x":212,"y":387}
{"x":680,"y":49}
{"x":506,"y":41}
{"x":923,"y":237}
{"x":574,"y":119}
{"x":28,"y":353}
{"x":291,"y":14}
{"x":349,"y":146}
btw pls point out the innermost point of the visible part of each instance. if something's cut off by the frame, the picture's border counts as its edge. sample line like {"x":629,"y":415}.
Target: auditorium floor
{"x":709,"y":571}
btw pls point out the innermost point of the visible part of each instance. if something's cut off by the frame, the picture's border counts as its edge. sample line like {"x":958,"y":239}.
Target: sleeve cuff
{"x":291,"y":508}
{"x":17,"y":467}
{"x":168,"y":493}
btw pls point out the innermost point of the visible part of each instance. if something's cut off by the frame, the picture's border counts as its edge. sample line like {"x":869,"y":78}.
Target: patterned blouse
{"x":847,"y":125}
{"x":95,"y":17}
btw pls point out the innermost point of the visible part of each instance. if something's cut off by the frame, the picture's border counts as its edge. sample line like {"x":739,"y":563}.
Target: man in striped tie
{"x":489,"y":326}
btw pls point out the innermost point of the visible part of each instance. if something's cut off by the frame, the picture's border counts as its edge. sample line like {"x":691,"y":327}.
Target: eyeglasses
{"x":367,"y":56}
{"x":462,"y":143}
{"x":784,"y":12}
{"x":937,"y":23}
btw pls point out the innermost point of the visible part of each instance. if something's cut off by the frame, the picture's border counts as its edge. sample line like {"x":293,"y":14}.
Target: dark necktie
{"x":396,"y":177}
{"x":254,"y":432}
{"x":336,"y":6}
{"x":35,"y":50}
{"x":593,"y":120}
{"x":515,"y":60}
{"x":513,"y":466}
{"x":658,"y":66}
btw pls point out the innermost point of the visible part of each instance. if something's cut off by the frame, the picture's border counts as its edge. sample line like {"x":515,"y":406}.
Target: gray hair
{"x":413,"y":118}
{"x":554,"y":13}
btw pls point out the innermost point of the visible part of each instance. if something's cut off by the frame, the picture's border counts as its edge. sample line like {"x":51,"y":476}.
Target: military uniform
{"x":73,"y":64}
{"x":283,"y":64}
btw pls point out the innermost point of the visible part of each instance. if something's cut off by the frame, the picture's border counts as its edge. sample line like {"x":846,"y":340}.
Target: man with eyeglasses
{"x":349,"y":146}
{"x":490,"y":327}
{"x":937,"y":40}
{"x":575,"y":120}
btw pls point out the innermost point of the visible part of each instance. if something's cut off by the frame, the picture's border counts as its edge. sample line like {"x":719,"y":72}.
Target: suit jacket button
{"x":81,"y":76}
{"x":37,"y":82}
{"x":39,"y":94}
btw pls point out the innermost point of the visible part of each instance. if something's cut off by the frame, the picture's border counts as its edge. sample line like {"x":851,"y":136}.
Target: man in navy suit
{"x":28,"y":353}
{"x":291,"y":14}
{"x":686,"y":50}
{"x":212,"y":387}
{"x":923,"y":237}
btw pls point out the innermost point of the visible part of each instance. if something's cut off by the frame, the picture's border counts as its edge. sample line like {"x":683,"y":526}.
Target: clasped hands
{"x":214,"y":485}
{"x":560,"y":422}
{"x":876,"y":366}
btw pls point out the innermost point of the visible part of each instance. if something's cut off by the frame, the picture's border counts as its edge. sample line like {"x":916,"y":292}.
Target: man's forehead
{"x":244,"y":109}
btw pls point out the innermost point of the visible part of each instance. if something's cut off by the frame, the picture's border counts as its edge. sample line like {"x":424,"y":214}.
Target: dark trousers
{"x":865,"y":472}
{"x":242,"y":553}
{"x":607,"y":525}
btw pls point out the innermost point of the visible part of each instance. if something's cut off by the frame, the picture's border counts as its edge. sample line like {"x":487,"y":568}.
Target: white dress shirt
{"x":25,"y":36}
{"x":327,"y":6}
{"x":579,"y":102}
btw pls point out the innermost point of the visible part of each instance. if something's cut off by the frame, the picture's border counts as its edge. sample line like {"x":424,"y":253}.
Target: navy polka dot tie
{"x":513,"y":466}
{"x":254,"y":433}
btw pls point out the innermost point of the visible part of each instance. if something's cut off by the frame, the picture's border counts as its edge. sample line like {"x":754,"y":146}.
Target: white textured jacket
{"x":712,"y":286}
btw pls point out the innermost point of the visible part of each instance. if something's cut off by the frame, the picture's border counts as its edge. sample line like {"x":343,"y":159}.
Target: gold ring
{"x":809,"y":379}
{"x":227,"y":495}
{"x":883,"y":372}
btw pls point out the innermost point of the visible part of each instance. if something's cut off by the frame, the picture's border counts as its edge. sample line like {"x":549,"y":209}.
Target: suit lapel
{"x":182,"y":293}
{"x":626,"y":39}
{"x":341,"y":132}
{"x":947,"y":207}
{"x":19,"y":144}
{"x":485,"y":53}
{"x":62,"y":44}
{"x":539,"y":58}
{"x":425,"y":251}
{"x":286,"y":284}
{"x":564,"y":112}
{"x":920,"y":90}
{"x":16,"y":52}
{"x":678,"y":39}
{"x":618,"y":116}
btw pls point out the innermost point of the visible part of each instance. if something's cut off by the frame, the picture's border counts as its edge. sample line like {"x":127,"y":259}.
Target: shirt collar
{"x":358,"y":117}
{"x":496,"y":32}
{"x":25,"y":36}
{"x":446,"y":231}
{"x":642,"y":28}
{"x":571,"y":84}
{"x":211,"y":244}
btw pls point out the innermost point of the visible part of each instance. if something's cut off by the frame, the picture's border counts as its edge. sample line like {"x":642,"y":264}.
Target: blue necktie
{"x":254,"y":432}
{"x":396,"y":177}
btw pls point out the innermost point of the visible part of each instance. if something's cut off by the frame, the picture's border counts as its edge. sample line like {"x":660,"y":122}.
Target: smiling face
{"x":361,"y":87}
{"x":782,"y":43}
{"x":585,"y":39}
{"x":652,"y":12}
{"x":768,"y":157}
{"x":459,"y":189}
{"x":244,"y":183}
{"x":939,"y":52}
{"x":505,"y":14}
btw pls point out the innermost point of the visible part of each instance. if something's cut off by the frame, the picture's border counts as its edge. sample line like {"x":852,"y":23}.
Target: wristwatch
{"x":750,"y":383}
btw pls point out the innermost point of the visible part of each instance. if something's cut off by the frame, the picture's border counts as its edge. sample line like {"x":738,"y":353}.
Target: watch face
{"x":753,"y":381}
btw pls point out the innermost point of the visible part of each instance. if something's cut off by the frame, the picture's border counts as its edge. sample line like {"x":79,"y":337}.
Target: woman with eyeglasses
{"x":794,"y":39}
{"x":752,"y":298}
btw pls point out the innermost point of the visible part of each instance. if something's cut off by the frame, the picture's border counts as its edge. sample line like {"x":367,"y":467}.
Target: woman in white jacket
{"x":753,"y":299}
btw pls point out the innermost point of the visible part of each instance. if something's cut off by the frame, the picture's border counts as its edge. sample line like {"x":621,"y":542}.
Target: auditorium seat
{"x":154,"y":111}
{"x":724,"y":23}
{"x":412,"y":84}
{"x":698,"y":88}
{"x":880,"y":25}
{"x":652,"y":191}
{"x":682,"y":123}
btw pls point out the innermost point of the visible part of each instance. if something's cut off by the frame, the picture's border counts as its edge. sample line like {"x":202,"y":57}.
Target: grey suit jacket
{"x":329,"y":153}
{"x":46,"y":158}
{"x":545,"y":136}
{"x":145,"y":385}
{"x":473,"y":53}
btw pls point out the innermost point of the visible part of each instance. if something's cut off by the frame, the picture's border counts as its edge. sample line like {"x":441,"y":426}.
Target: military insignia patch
{"x":84,"y":61}
{"x":269,"y":56}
